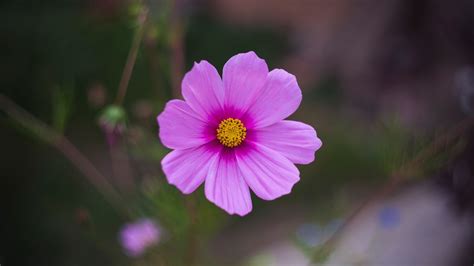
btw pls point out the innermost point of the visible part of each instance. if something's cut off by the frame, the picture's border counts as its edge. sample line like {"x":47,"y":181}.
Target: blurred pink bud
{"x":137,"y":237}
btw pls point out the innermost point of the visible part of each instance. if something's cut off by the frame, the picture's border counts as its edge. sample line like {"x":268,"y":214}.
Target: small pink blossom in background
{"x":230,"y":133}
{"x":136,"y":237}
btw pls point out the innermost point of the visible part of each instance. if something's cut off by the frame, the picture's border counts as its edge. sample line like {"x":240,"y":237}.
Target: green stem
{"x":132,"y":57}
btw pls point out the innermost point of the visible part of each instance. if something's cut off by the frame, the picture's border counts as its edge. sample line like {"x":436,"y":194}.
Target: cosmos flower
{"x":230,"y":133}
{"x":136,"y":237}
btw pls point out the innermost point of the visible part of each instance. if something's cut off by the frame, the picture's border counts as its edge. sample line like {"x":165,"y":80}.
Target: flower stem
{"x":177,"y":48}
{"x":120,"y":163}
{"x":132,"y":57}
{"x":63,"y":145}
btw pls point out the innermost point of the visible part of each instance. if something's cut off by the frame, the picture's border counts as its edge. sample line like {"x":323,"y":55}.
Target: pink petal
{"x":279,"y":98}
{"x":295,"y":140}
{"x":268,"y":173}
{"x":226,"y":187}
{"x":181,"y":127}
{"x":243,"y":75}
{"x":187,"y":169}
{"x":202,"y":89}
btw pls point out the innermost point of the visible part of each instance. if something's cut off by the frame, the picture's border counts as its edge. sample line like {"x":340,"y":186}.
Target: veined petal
{"x":180,"y":127}
{"x":202,"y":89}
{"x":187,"y":169}
{"x":226,"y":187}
{"x":268,"y":173}
{"x":243,"y":75}
{"x":295,"y":140}
{"x":279,"y":97}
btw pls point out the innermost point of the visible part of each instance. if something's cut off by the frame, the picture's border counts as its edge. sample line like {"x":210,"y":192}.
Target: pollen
{"x":231,"y":132}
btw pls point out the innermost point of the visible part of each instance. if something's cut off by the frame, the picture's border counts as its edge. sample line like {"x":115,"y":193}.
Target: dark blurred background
{"x":382,"y":82}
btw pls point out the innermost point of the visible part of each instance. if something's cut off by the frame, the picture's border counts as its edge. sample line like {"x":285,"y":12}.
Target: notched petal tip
{"x":248,"y":53}
{"x":247,"y":60}
{"x":231,"y":211}
{"x":267,"y":172}
{"x":202,"y":63}
{"x":290,"y":79}
{"x":279,"y":97}
{"x":314,"y":144}
{"x":226,"y":188}
{"x":183,"y":189}
{"x":283,"y":192}
{"x":319,"y":144}
{"x":242,"y":213}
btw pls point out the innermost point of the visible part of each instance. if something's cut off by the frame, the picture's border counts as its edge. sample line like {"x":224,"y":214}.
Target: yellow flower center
{"x":231,"y":132}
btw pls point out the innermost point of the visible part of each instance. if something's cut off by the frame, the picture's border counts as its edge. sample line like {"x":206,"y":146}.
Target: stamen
{"x":231,"y":132}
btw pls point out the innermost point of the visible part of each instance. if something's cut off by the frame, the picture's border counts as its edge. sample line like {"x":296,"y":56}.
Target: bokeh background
{"x":388,"y":85}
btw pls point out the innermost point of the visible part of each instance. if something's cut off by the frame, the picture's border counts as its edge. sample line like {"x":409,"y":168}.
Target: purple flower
{"x":231,"y":134}
{"x":138,"y":236}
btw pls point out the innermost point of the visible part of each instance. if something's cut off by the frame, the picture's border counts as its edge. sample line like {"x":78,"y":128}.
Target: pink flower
{"x":230,"y":133}
{"x":136,"y":237}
